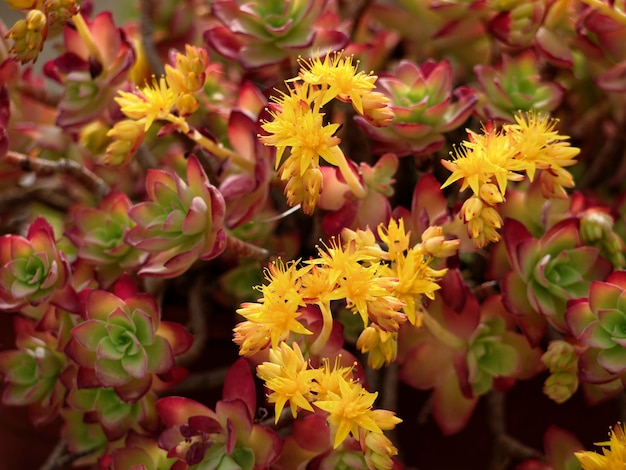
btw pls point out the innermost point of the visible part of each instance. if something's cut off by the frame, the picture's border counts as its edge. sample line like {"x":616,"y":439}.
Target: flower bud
{"x":127,"y":137}
{"x":471,"y":208}
{"x":59,"y":11}
{"x":187,"y":104}
{"x":491,"y":217}
{"x":561,"y":386}
{"x":490,"y":193}
{"x":560,"y":356}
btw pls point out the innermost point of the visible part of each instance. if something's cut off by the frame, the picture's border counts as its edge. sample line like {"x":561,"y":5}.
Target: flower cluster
{"x":170,"y":98}
{"x":489,"y":160}
{"x":348,"y":405}
{"x":297,"y":125}
{"x":183,"y":146}
{"x":384,"y":287}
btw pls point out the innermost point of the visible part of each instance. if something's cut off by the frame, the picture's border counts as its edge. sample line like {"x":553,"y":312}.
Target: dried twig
{"x":69,"y":167}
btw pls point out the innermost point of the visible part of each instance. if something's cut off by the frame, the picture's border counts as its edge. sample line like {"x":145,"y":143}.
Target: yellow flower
{"x":338,"y":78}
{"x":153,"y":102}
{"x":415,"y":278}
{"x":538,"y":144}
{"x":284,"y":280}
{"x":349,"y":411}
{"x":277,"y":317}
{"x":251,"y":337}
{"x":483,"y":159}
{"x":326,"y":379}
{"x":287,"y":376}
{"x":395,"y":237}
{"x":613,"y":458}
{"x":301,"y":128}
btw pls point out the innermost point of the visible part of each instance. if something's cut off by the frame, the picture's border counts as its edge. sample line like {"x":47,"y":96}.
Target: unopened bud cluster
{"x":29,"y":34}
{"x":562,"y":361}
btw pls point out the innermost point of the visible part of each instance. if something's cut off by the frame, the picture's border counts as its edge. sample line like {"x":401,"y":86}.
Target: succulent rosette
{"x":99,"y":235}
{"x":181,"y":223}
{"x":348,"y":211}
{"x":517,"y":24}
{"x":461,"y":352}
{"x":115,"y":416}
{"x":425,"y":106}
{"x":263,"y":33}
{"x":514,"y":85}
{"x":246,"y":192}
{"x":547,"y":273}
{"x":122,"y":342}
{"x":224,"y":439}
{"x":33,"y":271}
{"x":140,"y":451}
{"x":599,"y":321}
{"x":95,"y":64}
{"x":30,"y":372}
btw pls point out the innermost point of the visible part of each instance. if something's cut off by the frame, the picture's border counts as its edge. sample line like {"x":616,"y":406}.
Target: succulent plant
{"x":223,"y":439}
{"x":599,"y":321}
{"x":30,"y":372}
{"x":468,"y":346}
{"x":547,"y":273}
{"x":351,"y":212}
{"x":140,"y":451}
{"x":99,"y":235}
{"x":95,"y":65}
{"x":32,"y":270}
{"x":514,"y":85}
{"x":262,"y":33}
{"x":122,"y":342}
{"x":425,"y":105}
{"x":181,"y":223}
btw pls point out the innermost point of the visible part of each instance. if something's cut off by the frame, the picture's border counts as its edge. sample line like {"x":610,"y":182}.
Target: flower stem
{"x":439,"y":332}
{"x":327,"y":328}
{"x":85,"y":34}
{"x":216,"y":149}
{"x":348,"y":175}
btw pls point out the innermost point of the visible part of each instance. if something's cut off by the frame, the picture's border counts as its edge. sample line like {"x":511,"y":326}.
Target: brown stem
{"x":145,"y":158}
{"x":147,"y":42}
{"x":199,"y":381}
{"x":48,"y":167}
{"x":425,"y":411}
{"x":358,"y":16}
{"x":197,"y":323}
{"x":246,"y":250}
{"x":505,"y":447}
